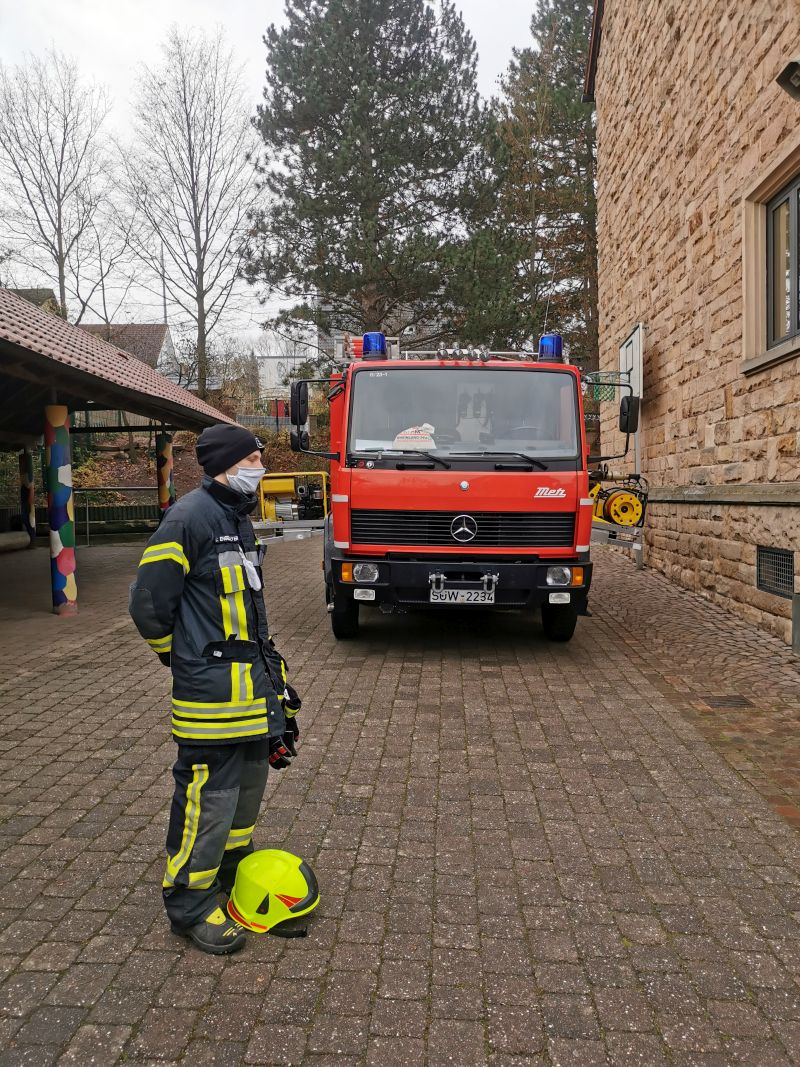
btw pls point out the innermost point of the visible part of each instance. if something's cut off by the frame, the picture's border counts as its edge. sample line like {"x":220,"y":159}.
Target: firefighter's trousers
{"x":218,"y":791}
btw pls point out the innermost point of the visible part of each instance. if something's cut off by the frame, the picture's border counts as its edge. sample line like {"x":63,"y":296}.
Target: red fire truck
{"x":457,"y":479}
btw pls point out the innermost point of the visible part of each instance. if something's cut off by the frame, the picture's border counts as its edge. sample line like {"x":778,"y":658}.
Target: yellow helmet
{"x":273,"y":893}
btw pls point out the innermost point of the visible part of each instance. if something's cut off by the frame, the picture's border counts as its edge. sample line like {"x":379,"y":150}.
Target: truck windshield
{"x":464,"y":409}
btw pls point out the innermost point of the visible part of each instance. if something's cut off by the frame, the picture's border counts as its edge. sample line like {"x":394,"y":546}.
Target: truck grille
{"x":492,"y":529}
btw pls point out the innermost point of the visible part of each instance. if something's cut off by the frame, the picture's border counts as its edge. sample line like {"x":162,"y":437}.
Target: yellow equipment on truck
{"x":623,"y":503}
{"x":294,"y":497}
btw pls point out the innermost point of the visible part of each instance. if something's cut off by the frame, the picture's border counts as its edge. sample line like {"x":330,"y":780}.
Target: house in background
{"x":42,"y":298}
{"x":698,"y":192}
{"x":151,"y":342}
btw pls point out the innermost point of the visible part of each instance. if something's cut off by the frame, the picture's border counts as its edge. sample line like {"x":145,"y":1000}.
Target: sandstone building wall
{"x":689,"y":119}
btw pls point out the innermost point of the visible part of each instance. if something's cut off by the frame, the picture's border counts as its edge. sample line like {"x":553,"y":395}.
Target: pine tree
{"x":371,"y":123}
{"x":545,"y":203}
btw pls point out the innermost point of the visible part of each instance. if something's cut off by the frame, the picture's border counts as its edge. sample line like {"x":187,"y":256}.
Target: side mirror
{"x":629,"y":414}
{"x":299,"y":439}
{"x":298,"y":403}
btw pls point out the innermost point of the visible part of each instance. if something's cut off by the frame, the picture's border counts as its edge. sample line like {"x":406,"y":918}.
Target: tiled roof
{"x":142,"y":339}
{"x":79,"y":360}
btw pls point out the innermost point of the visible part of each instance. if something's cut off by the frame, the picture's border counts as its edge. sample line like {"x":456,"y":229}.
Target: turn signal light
{"x":347,"y":572}
{"x":577,"y":576}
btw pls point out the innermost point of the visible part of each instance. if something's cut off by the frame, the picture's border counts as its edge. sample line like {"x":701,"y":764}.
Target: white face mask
{"x":246,"y":480}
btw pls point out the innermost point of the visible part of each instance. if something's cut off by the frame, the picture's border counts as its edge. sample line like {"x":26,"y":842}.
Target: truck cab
{"x":456,"y":482}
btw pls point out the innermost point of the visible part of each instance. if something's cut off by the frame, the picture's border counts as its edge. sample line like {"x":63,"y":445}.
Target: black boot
{"x":217,"y":934}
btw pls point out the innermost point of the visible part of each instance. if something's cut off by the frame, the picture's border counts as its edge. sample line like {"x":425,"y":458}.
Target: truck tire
{"x":559,"y":621}
{"x":344,"y":617}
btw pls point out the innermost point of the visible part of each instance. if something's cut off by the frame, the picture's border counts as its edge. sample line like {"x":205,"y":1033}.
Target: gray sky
{"x":109,"y":39}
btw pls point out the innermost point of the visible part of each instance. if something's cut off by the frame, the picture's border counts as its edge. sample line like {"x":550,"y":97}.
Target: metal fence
{"x":114,"y":421}
{"x":278,"y":423}
{"x":87,"y":512}
{"x":268,"y":422}
{"x":112,"y":518}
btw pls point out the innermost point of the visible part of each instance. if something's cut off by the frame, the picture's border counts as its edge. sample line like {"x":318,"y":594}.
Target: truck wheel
{"x":344,"y":618}
{"x":559,"y":621}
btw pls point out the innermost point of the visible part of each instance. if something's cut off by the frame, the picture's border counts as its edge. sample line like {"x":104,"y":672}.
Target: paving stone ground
{"x":528,"y":853}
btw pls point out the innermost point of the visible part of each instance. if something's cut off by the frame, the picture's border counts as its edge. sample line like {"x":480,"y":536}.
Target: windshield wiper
{"x":399,"y":455}
{"x":520,"y":455}
{"x":428,"y":455}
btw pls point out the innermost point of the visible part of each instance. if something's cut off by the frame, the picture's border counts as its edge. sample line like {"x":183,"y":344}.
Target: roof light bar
{"x":551,"y":347}
{"x":374,"y":345}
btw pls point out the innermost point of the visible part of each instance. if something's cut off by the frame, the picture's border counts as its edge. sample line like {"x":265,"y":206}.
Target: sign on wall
{"x":631,"y":358}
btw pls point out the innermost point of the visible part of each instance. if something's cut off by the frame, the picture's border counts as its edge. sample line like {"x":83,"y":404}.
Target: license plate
{"x":462,"y":596}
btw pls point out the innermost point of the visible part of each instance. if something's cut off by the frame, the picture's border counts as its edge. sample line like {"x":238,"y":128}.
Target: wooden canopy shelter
{"x":50,"y":369}
{"x":40,"y":353}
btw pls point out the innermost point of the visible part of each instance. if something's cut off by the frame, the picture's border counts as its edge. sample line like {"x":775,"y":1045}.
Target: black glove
{"x":279,"y":754}
{"x":291,"y":735}
{"x":291,"y":705}
{"x":165,"y":658}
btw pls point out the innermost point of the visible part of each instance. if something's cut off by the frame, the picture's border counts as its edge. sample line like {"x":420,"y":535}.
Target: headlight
{"x":559,"y":575}
{"x":365,"y":572}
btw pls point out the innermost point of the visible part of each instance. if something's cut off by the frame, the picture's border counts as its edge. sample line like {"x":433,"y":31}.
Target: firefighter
{"x":198,"y":602}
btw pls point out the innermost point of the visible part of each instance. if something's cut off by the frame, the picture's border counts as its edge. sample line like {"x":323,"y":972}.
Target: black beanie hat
{"x":222,"y":446}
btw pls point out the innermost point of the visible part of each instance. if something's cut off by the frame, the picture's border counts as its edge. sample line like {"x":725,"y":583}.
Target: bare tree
{"x":278,"y":355}
{"x":101,"y":272}
{"x":181,"y":368}
{"x":190,"y":177}
{"x":236,"y":370}
{"x":5,"y":273}
{"x":231,"y":365}
{"x":55,"y":179}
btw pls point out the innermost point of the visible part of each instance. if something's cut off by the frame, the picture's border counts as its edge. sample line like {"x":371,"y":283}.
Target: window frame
{"x":789,"y":194}
{"x":779,"y":172}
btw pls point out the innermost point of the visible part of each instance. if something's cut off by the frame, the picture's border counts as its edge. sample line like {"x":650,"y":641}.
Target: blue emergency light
{"x":375,"y":345}
{"x":550,"y":348}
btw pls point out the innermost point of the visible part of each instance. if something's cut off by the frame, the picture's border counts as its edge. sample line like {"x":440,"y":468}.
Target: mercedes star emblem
{"x":463,"y":528}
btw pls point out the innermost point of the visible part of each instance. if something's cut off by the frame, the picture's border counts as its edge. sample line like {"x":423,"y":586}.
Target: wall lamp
{"x":789,"y":78}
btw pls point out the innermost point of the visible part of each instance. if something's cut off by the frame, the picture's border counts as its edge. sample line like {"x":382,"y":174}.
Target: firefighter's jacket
{"x":198,"y":602}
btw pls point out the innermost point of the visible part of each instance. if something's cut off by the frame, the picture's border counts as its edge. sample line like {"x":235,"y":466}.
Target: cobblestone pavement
{"x":528,"y":853}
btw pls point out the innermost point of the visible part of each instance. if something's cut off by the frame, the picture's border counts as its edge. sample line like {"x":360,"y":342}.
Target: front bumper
{"x":406,"y":582}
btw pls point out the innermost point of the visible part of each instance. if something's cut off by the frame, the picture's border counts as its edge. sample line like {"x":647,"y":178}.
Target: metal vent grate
{"x":730,"y":701}
{"x":775,"y":571}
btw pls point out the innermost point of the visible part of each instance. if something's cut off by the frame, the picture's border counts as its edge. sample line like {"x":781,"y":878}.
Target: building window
{"x":770,"y":269}
{"x":783,"y":256}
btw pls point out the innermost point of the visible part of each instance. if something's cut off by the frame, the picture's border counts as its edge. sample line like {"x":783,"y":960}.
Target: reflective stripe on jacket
{"x":198,"y":599}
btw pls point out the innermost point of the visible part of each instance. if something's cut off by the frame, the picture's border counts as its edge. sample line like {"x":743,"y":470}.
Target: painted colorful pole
{"x":27,"y":494}
{"x":166,"y":483}
{"x":60,"y":509}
